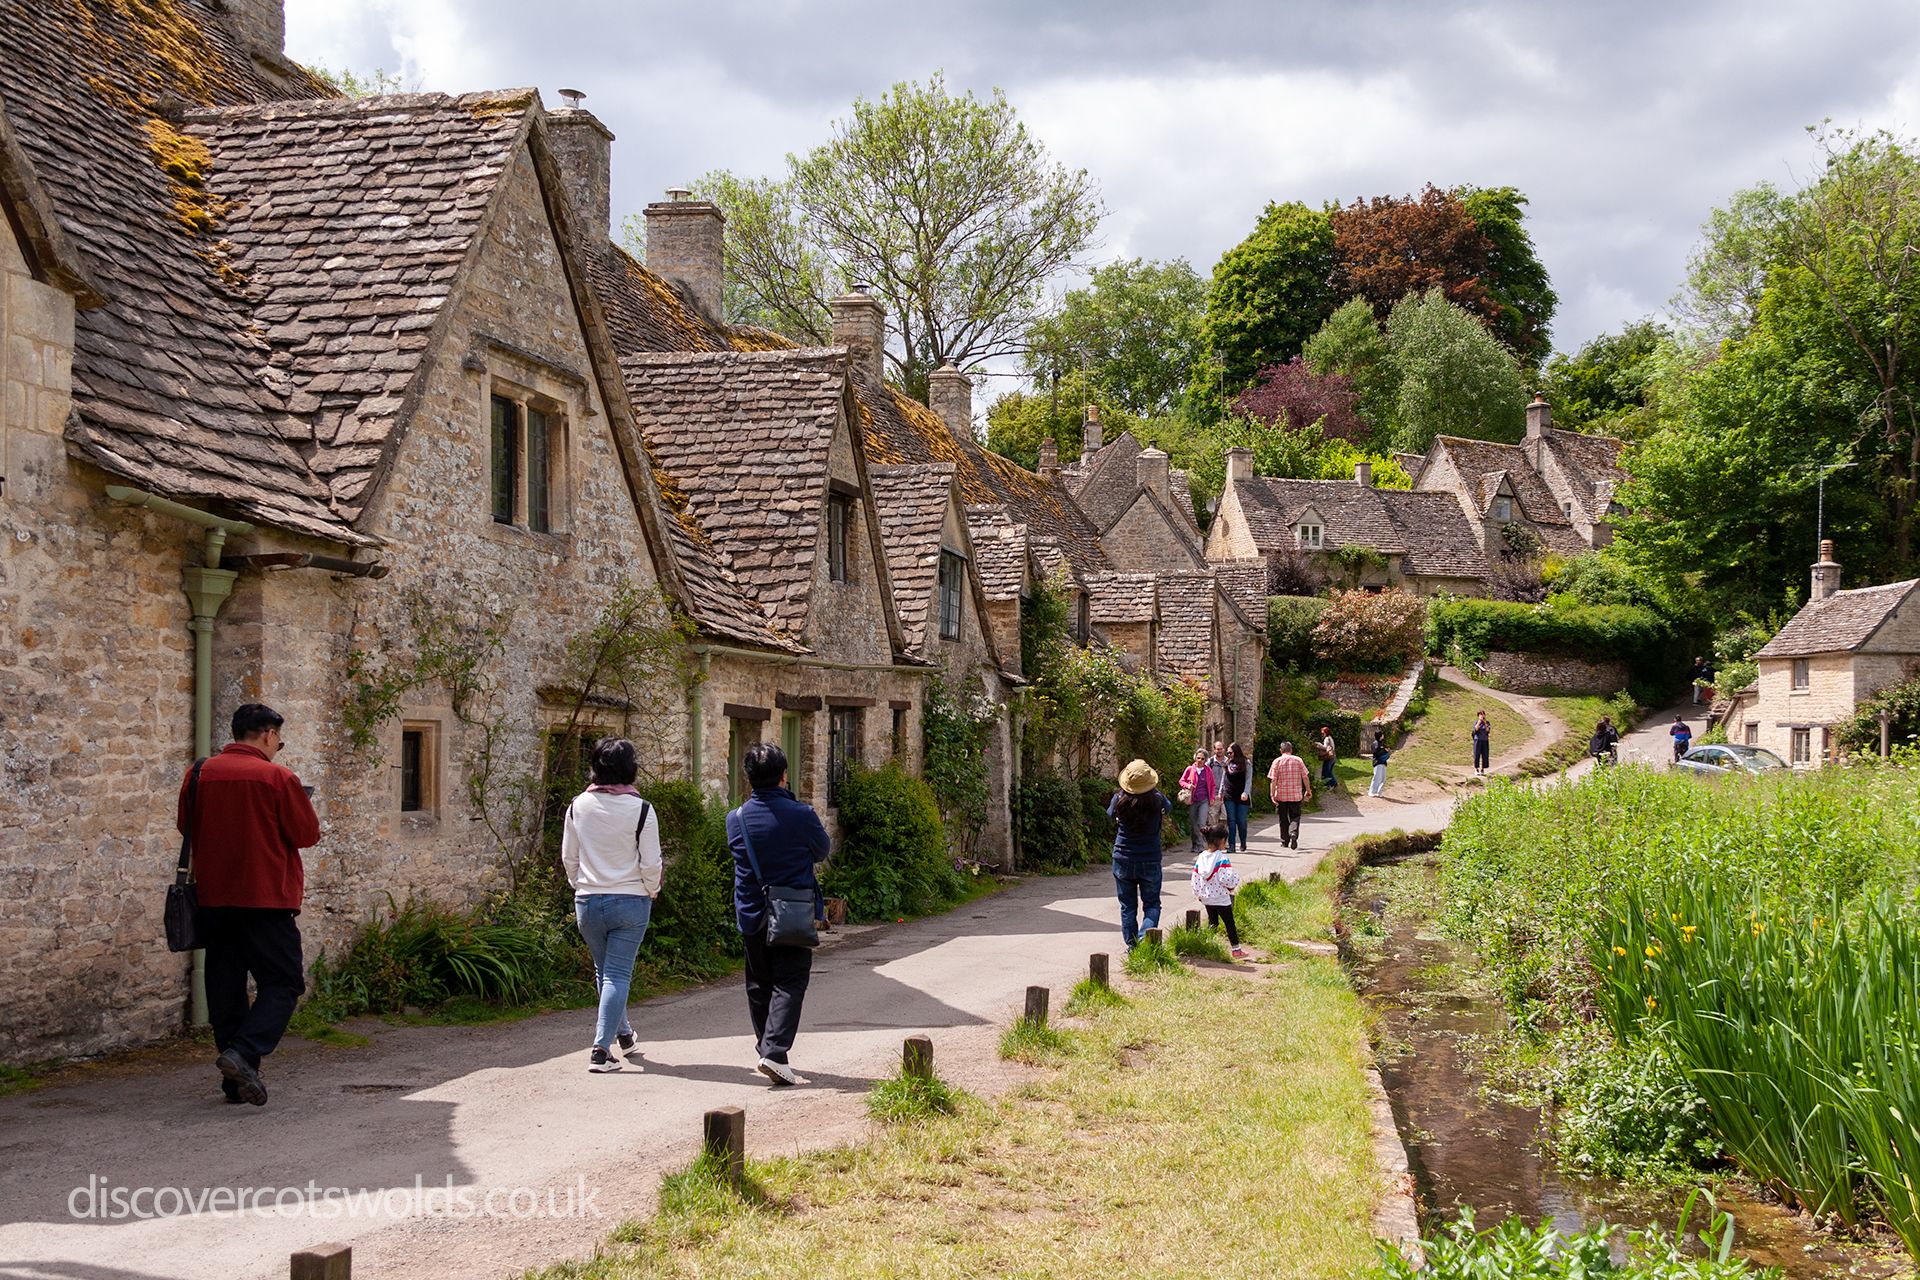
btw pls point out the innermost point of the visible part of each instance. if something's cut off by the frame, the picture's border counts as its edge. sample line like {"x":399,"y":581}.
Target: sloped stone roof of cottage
{"x":1593,"y":462}
{"x":1478,"y":461}
{"x":1184,"y":645}
{"x":741,"y":443}
{"x":999,"y":551}
{"x":1425,"y":528}
{"x":1245,"y":584}
{"x":1843,"y":622}
{"x":912,"y":504}
{"x":1106,"y":485}
{"x":648,"y":313}
{"x":1121,"y":597}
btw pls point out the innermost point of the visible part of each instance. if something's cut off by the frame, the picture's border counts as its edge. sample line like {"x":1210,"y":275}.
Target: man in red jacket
{"x":249,"y":819}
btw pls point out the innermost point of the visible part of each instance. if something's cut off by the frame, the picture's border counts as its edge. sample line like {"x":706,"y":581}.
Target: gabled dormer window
{"x":1503,"y":508}
{"x":1307,"y":536}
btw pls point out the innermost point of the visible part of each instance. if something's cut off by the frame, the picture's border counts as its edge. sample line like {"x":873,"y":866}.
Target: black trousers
{"x":776,"y":986}
{"x":265,"y":943}
{"x":1223,"y":916}
{"x":1481,"y":752}
{"x":1289,"y":811}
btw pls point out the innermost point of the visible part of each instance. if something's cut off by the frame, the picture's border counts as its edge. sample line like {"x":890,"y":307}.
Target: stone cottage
{"x":1839,"y":650}
{"x":300,"y":392}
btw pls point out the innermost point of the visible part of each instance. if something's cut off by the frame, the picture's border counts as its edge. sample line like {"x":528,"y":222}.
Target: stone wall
{"x":1142,"y":541}
{"x":1537,"y":673}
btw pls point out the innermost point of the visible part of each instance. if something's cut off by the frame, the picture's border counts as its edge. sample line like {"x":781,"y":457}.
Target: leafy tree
{"x":1269,"y":293}
{"x":1602,"y":385}
{"x":1516,"y":278}
{"x":944,"y":203}
{"x":1454,"y":378}
{"x":1291,"y":394}
{"x":1726,"y":273}
{"x":1018,"y":421}
{"x":1390,"y":246}
{"x":1350,"y":344}
{"x":1135,"y":331}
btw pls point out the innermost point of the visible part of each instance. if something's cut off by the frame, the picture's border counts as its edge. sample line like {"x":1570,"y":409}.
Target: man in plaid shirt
{"x":1291,"y":788}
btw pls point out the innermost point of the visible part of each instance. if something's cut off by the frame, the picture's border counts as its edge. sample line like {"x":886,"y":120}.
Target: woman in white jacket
{"x":611,"y":851}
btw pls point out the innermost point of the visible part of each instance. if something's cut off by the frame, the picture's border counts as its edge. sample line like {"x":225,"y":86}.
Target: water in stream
{"x":1469,"y":1147}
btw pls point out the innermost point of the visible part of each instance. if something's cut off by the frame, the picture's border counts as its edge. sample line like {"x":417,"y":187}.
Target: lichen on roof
{"x":505,"y":102}
{"x":751,"y":337}
{"x":187,"y":163}
{"x":173,"y":54}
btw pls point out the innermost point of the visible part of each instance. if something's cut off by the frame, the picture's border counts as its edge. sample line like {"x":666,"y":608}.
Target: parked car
{"x":1725,"y":758}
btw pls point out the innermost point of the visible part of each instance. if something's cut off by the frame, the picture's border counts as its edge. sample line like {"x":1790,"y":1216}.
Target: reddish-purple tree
{"x":1293,"y":394}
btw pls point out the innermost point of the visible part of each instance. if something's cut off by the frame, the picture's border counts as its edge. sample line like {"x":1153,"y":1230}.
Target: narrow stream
{"x":1468,"y":1147}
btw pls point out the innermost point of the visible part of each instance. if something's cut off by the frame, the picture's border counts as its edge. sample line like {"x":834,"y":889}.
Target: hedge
{"x":1467,"y":630}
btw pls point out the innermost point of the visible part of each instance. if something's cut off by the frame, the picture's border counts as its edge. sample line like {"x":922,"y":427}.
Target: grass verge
{"x":1439,"y":745}
{"x":1145,"y":959}
{"x":1033,"y":1042}
{"x":1090,"y":997}
{"x":903,"y":1098}
{"x":1580,"y":714}
{"x":1053,"y":1178}
{"x":1192,"y":940}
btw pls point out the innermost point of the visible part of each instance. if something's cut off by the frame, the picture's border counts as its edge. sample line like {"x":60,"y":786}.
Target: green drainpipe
{"x":207,"y":587}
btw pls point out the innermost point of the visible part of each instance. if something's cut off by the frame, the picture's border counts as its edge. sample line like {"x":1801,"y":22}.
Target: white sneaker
{"x":778,"y":1072}
{"x":600,"y":1061}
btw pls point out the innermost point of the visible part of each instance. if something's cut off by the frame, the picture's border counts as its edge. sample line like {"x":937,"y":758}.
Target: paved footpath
{"x":510,"y":1109}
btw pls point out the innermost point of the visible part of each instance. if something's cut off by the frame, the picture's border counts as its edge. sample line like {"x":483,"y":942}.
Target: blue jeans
{"x":613,"y":925}
{"x":1141,"y":880}
{"x":1237,"y":822}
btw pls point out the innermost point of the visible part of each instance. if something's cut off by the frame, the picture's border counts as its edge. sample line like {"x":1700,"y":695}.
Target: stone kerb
{"x":1389,"y":717}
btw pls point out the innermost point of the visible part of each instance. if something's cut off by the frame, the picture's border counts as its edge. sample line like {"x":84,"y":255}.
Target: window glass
{"x":1753,"y":734}
{"x":839,"y":517}
{"x":843,"y":748}
{"x":1802,"y":673}
{"x":953,"y":573}
{"x":1802,"y":746}
{"x":506,"y":460}
{"x":741,"y":734}
{"x":793,"y":742}
{"x":539,"y":472}
{"x":413,"y":767}
{"x":1310,"y":536}
{"x":1503,"y":508}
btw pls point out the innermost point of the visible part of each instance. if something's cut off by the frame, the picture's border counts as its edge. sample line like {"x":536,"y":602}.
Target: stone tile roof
{"x":167,"y":385}
{"x":1593,"y":463}
{"x":1184,"y":646}
{"x":1245,"y":583}
{"x":999,"y":551}
{"x":1051,"y":559}
{"x":647,"y":313}
{"x":1426,"y":529}
{"x":1842,"y":622}
{"x":1121,"y":597}
{"x":1478,"y":461}
{"x":912,"y":504}
{"x":709,"y":419}
{"x":347,"y":223}
{"x":1409,"y":462}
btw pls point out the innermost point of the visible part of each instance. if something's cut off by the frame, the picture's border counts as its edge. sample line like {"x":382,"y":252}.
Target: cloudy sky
{"x":1623,"y":123}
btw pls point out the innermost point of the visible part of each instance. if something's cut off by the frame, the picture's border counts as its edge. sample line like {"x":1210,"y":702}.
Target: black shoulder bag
{"x":183,"y":896}
{"x":789,"y":909}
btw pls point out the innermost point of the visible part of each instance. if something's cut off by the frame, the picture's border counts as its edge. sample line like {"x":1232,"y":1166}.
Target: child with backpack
{"x":1214,"y":882}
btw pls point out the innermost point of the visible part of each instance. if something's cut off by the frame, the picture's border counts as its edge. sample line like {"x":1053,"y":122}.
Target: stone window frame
{"x":951,"y":581}
{"x":846,"y":732}
{"x":560,"y":396}
{"x":431,"y":727}
{"x":796,"y":728}
{"x":1309,"y":537}
{"x":1753,"y":733}
{"x":1800,"y":676}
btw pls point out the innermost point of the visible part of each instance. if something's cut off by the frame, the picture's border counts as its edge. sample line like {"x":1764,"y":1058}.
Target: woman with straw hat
{"x":1139,"y":810}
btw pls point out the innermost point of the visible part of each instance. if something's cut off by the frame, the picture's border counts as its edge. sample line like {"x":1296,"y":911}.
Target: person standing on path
{"x":1139,"y":811}
{"x":611,"y":854}
{"x":787,"y":840}
{"x":1196,"y":792}
{"x":1217,"y":766}
{"x":1701,"y":678}
{"x":1482,"y":745}
{"x":1380,"y":756}
{"x":247,"y":819}
{"x":1287,"y":780}
{"x":1328,"y":751}
{"x":1214,"y":881}
{"x":1239,"y":795}
{"x":1682,"y":737}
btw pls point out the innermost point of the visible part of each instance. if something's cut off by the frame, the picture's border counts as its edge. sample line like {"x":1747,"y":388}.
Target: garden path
{"x":1547,"y":727}
{"x":510,"y":1106}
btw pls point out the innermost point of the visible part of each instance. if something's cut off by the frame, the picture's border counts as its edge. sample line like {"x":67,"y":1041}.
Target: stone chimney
{"x":860,"y":325}
{"x":1049,"y":458}
{"x":1090,"y":435}
{"x":1539,"y":418}
{"x":1363,"y":474}
{"x":582,"y":147}
{"x":1154,"y":472}
{"x":686,"y":244}
{"x":261,"y":27}
{"x":1826,"y":572}
{"x":950,"y":394}
{"x":1239,"y":464}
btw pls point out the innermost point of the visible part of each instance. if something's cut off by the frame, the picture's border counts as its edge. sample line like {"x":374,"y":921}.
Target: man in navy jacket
{"x":787,"y":840}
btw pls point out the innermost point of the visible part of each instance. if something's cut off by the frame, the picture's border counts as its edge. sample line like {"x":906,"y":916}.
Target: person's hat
{"x":1138,"y":778}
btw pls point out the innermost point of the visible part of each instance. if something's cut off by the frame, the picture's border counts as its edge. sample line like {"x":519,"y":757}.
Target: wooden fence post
{"x":323,"y":1262}
{"x":1193,"y":919}
{"x":1037,"y":1006}
{"x":1097,"y":969}
{"x":724,"y":1136}
{"x":916,"y":1057}
{"x":1155,"y":937}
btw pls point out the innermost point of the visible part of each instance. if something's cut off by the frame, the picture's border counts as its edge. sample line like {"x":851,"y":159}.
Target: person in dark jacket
{"x":248,"y":818}
{"x":787,"y":840}
{"x":1138,"y":810}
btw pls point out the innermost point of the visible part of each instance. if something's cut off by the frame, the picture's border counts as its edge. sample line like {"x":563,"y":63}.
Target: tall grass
{"x":1515,"y":1250}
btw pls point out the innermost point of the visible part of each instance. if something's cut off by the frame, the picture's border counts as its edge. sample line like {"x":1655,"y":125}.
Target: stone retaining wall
{"x":1537,"y":673}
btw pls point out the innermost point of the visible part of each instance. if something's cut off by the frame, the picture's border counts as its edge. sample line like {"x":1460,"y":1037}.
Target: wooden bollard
{"x":1193,"y":919}
{"x":724,"y":1135}
{"x":1154,"y":937}
{"x":1037,"y":1006}
{"x":1273,"y":877}
{"x":1097,"y":969}
{"x":324,"y":1262}
{"x":916,"y":1057}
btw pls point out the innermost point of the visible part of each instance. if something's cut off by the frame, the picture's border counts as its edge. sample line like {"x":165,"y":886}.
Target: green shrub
{"x":1052,"y":821}
{"x":1516,"y":1250}
{"x":1467,"y":630}
{"x":1095,"y":795}
{"x":1370,"y":630}
{"x":1290,"y":621}
{"x":1628,"y":1113}
{"x":1861,"y":731}
{"x":892,"y":859}
{"x":692,"y":932}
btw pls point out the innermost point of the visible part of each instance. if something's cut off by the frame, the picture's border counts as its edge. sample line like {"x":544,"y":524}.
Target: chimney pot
{"x":860,"y":325}
{"x":1826,"y":572}
{"x":1153,"y":471}
{"x":1239,"y":464}
{"x":1090,"y":435}
{"x":1363,"y":474}
{"x":574,"y":97}
{"x":686,"y":242}
{"x":950,"y":394}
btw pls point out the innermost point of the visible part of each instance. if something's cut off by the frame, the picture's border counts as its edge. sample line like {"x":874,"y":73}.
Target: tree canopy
{"x":1135,"y":331}
{"x":1452,"y":376}
{"x":1292,"y":394}
{"x":944,"y":203}
{"x":1269,"y":293}
{"x":1607,"y":383}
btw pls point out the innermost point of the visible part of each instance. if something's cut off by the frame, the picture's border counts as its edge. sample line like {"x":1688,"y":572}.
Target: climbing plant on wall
{"x":954,"y":726}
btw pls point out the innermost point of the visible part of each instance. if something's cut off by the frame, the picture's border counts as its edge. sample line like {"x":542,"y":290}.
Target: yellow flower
{"x":1619,"y":951}
{"x":1652,"y":1003}
{"x":1687,"y":931}
{"x":1653,"y":950}
{"x":1757,"y":928}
